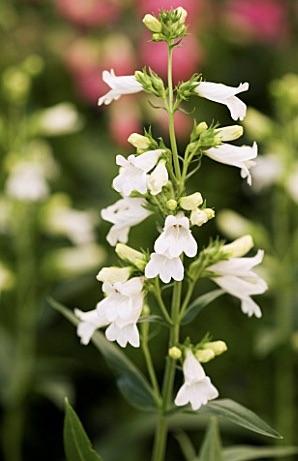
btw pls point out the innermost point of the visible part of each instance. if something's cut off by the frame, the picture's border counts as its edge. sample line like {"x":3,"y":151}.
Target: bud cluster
{"x":151,"y":82}
{"x":168,"y":26}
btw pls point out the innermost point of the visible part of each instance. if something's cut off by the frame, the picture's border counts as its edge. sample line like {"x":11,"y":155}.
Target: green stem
{"x":171,"y":113}
{"x":26,"y":317}
{"x":167,"y":391}
{"x":149,"y":363}
{"x":158,"y":296}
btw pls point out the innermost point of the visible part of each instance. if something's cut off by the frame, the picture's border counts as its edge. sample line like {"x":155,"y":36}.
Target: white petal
{"x":117,"y":234}
{"x":250,"y":307}
{"x":182,"y":397}
{"x":192,"y":369}
{"x":147,"y":160}
{"x":120,"y":85}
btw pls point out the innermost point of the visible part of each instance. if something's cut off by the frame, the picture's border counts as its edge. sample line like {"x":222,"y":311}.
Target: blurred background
{"x":57,"y":163}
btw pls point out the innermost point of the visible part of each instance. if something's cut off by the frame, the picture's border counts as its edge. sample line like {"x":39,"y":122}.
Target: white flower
{"x":89,"y":322}
{"x":124,"y":214}
{"x":133,"y":172}
{"x":124,"y":84}
{"x":224,"y":94}
{"x":113,"y":274}
{"x":199,"y":217}
{"x":197,"y":388}
{"x":158,"y":178}
{"x":239,"y":156}
{"x":60,"y":119}
{"x":235,"y":276}
{"x":176,"y":238}
{"x":165,"y":267}
{"x":266,"y":172}
{"x":122,"y":308}
{"x":191,"y":202}
{"x":27,"y":182}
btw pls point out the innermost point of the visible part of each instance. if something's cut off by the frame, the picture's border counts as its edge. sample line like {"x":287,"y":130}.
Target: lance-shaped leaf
{"x":211,"y":449}
{"x":246,"y":453}
{"x":130,"y":380}
{"x":237,"y":414}
{"x":198,"y":304}
{"x":77,"y":445}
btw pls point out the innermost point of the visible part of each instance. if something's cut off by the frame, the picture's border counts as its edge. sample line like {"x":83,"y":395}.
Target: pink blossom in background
{"x":89,"y":13}
{"x":124,"y":119}
{"x":193,"y":7}
{"x":263,"y":20}
{"x":86,"y":59}
{"x":183,"y":123}
{"x":187,"y":57}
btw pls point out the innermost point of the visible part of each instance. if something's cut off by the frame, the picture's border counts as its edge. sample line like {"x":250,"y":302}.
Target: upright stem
{"x":171,"y":114}
{"x":14,"y":415}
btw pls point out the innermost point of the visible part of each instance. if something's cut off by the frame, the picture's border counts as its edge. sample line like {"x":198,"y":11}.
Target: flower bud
{"x":139,"y":141}
{"x":229,"y":133}
{"x":218,"y":347}
{"x":114,"y":274}
{"x":205,"y":355}
{"x":175,"y":353}
{"x":239,"y":247}
{"x":200,"y":217}
{"x":152,"y":23}
{"x":201,"y":127}
{"x":191,"y":202}
{"x":172,"y":204}
{"x":131,"y":255}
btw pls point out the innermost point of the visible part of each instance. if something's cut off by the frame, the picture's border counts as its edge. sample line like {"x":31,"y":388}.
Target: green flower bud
{"x":204,"y":355}
{"x":218,"y":347}
{"x":191,"y":202}
{"x":152,"y":23}
{"x":114,"y":274}
{"x":131,"y":255}
{"x":201,"y":127}
{"x":139,"y":141}
{"x":172,"y":204}
{"x":175,"y":353}
{"x":229,"y":133}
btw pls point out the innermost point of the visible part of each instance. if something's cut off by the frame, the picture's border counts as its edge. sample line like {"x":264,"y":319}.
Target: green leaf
{"x":245,"y":453}
{"x":237,"y":414}
{"x":198,"y":304}
{"x":211,"y":448}
{"x":77,"y":445}
{"x":130,"y":380}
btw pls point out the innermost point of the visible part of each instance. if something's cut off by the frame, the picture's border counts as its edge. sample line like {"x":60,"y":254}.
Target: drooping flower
{"x":176,"y":238}
{"x":89,"y":322}
{"x":120,"y":85}
{"x":239,"y":156}
{"x":164,"y":267}
{"x":133,"y":173}
{"x":235,"y":276}
{"x":226,"y":95}
{"x":124,"y":214}
{"x":197,"y":388}
{"x":158,"y":178}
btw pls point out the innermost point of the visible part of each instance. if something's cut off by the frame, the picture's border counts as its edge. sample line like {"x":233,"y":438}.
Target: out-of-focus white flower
{"x":164,"y":267}
{"x":113,"y":274}
{"x":199,"y":217}
{"x":267,"y":171}
{"x":176,"y":238}
{"x":124,"y":214}
{"x":233,"y":224}
{"x":292,"y":184}
{"x":133,"y":172}
{"x":120,"y":85}
{"x":158,"y":178}
{"x":27,"y":182}
{"x":235,"y":276}
{"x":90,"y":321}
{"x":122,"y":307}
{"x":224,"y":94}
{"x":58,"y":120}
{"x":197,"y":388}
{"x":61,"y":219}
{"x":239,"y":156}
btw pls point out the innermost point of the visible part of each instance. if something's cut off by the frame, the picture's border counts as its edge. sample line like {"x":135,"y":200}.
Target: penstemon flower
{"x":154,"y":181}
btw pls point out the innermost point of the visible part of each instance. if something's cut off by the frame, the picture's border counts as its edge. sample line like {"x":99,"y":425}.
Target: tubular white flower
{"x":164,"y":267}
{"x":158,"y":178}
{"x":120,"y":85}
{"x":235,"y":276}
{"x":124,"y":214}
{"x":60,"y":119}
{"x":176,"y":238}
{"x":27,"y":183}
{"x":239,"y":156}
{"x":197,"y":388}
{"x":89,"y":322}
{"x":224,"y":94}
{"x":133,"y":172}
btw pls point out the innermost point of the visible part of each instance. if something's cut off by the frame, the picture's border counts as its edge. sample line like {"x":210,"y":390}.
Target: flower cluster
{"x":153,"y":181}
